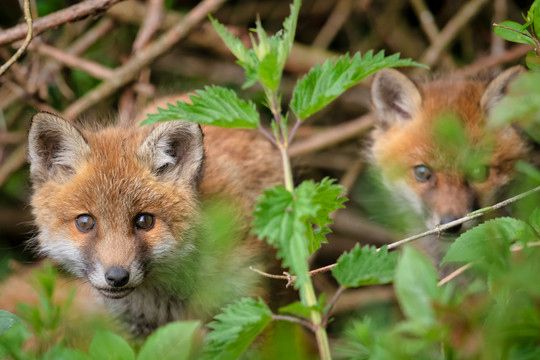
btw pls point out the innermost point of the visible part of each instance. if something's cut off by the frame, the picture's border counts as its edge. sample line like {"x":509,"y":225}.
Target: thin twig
{"x":438,"y":229}
{"x":464,"y":15}
{"x":72,"y":13}
{"x":461,"y":270}
{"x":293,"y":319}
{"x":131,"y":69}
{"x":150,"y":24}
{"x":498,"y":44}
{"x":482,"y":64}
{"x":15,"y":160}
{"x":337,"y":134}
{"x":336,"y":296}
{"x":427,"y":21}
{"x":95,"y":69}
{"x":335,"y":21}
{"x":27,"y":40}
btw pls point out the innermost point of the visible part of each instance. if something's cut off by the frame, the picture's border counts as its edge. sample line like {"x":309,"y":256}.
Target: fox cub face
{"x":116,"y":204}
{"x":435,"y":147}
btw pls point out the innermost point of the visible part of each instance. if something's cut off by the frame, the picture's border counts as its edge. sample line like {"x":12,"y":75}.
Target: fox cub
{"x":121,"y":208}
{"x":441,"y":180}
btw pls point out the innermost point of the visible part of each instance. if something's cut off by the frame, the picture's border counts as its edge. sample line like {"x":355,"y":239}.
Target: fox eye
{"x":85,"y":223}
{"x":144,"y":221}
{"x":422,"y":173}
{"x":479,"y":174}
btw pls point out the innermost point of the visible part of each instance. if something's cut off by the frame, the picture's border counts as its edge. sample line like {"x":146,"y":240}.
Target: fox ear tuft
{"x":498,"y":87}
{"x":395,"y":98}
{"x":55,"y":147}
{"x":174,"y":150}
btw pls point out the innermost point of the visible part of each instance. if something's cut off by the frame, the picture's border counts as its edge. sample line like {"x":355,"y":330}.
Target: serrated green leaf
{"x":416,"y":286}
{"x":215,"y":105}
{"x":488,"y":244}
{"x":325,"y":83}
{"x":286,"y":221}
{"x":7,"y":321}
{"x":171,"y":342}
{"x":514,"y":32}
{"x":109,"y":346}
{"x":246,"y":57}
{"x":235,"y":328}
{"x":365,"y":266}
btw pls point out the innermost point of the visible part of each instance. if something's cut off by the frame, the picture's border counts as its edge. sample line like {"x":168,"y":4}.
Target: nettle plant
{"x":494,"y":317}
{"x":292,"y":219}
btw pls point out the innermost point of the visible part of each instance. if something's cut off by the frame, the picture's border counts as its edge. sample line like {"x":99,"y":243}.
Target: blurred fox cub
{"x":434,"y":146}
{"x":122,"y":208}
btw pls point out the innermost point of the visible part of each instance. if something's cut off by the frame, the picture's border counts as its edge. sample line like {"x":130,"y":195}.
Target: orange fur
{"x":407,"y":115}
{"x":115,"y":175}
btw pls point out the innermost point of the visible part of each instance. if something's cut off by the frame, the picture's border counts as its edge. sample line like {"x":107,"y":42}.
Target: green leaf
{"x":488,"y":244}
{"x":235,"y":328}
{"x":215,"y":105}
{"x":534,"y":220}
{"x":286,"y":220}
{"x":514,"y":32}
{"x":7,"y":321}
{"x":535,"y":11}
{"x":61,"y":353}
{"x":171,"y":342}
{"x":109,"y":346}
{"x":416,"y":286}
{"x":325,"y":83}
{"x":365,"y":266}
{"x":533,"y":61}
{"x":246,"y":57}
{"x":299,"y":309}
{"x":325,"y":198}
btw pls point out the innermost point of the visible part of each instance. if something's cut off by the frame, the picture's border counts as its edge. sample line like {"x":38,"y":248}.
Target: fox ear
{"x":498,"y":87}
{"x":395,"y":98}
{"x":55,"y":147}
{"x":174,"y":150}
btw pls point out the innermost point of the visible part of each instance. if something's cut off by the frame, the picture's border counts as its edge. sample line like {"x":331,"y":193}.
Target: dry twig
{"x":72,"y":13}
{"x":29,"y":35}
{"x":445,"y":37}
{"x":131,"y":69}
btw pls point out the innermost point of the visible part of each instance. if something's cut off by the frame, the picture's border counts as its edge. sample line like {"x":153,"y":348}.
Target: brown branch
{"x":427,"y":21}
{"x":331,"y":137}
{"x":15,"y":160}
{"x":29,"y":35}
{"x":498,"y":44}
{"x":335,"y":21}
{"x":489,"y":62}
{"x":150,"y":24}
{"x":130,"y":70}
{"x":12,"y":137}
{"x":447,"y":35}
{"x":72,"y":13}
{"x":95,"y":69}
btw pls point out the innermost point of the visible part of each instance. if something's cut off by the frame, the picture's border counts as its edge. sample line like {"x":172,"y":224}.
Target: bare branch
{"x":464,"y":15}
{"x":72,"y":13}
{"x":150,"y":25}
{"x":333,"y":136}
{"x":335,"y":21}
{"x":95,"y":69}
{"x":29,"y":35}
{"x":426,"y":19}
{"x":130,"y":70}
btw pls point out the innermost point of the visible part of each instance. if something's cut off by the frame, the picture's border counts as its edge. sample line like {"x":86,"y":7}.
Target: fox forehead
{"x":403,"y":146}
{"x":114,"y":185}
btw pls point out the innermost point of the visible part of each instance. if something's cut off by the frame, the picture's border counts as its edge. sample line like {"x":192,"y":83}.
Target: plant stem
{"x":310,"y":298}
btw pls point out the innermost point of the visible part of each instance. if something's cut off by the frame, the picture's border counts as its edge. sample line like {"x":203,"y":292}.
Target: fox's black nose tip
{"x":448,"y":219}
{"x":117,"y":276}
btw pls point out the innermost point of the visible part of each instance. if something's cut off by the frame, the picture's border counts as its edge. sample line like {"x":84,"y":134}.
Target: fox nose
{"x":447,"y":219}
{"x":117,"y":276}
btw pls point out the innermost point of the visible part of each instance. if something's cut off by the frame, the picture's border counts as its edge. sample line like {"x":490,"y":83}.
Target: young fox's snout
{"x":434,"y":146}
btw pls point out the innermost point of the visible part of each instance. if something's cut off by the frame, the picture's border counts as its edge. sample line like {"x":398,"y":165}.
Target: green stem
{"x":308,"y":291}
